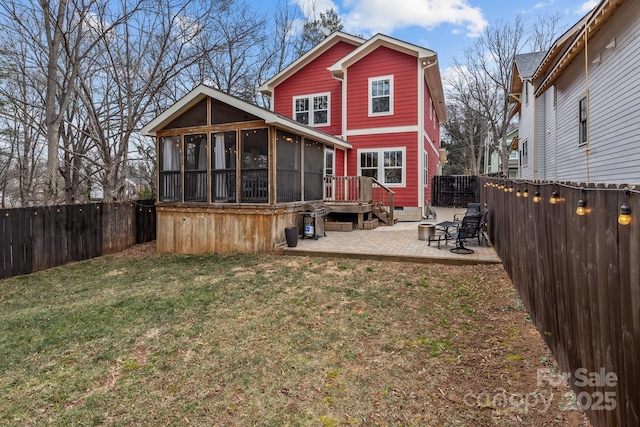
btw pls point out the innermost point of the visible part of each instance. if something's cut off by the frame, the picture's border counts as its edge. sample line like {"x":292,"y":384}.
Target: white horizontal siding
{"x":614,"y":106}
{"x":551,"y":146}
{"x":540,"y":167}
{"x":525,"y":131}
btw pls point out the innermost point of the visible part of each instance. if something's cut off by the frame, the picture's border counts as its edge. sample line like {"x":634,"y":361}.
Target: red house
{"x":385,"y":98}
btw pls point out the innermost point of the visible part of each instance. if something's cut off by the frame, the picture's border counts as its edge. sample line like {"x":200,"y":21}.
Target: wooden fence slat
{"x":5,"y":244}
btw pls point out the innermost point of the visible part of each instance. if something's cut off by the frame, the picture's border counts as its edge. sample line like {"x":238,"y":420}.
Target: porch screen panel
{"x":255,"y":166}
{"x":223,"y":167}
{"x":288,"y":167}
{"x":195,"y":168}
{"x":313,"y":166}
{"x":169,"y":169}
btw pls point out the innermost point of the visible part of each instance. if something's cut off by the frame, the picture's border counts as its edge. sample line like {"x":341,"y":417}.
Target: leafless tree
{"x":484,"y":78}
{"x":544,"y":31}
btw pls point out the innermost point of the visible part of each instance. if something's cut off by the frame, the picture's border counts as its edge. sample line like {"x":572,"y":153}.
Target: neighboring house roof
{"x":333,"y":39}
{"x":524,"y":67}
{"x":428,"y":58}
{"x":271,"y":118}
{"x":572,"y":43}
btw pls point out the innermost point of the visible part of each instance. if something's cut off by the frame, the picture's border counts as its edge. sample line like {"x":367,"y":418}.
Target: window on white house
{"x":525,"y":153}
{"x":583,"y":121}
{"x":526,"y":93}
{"x":381,"y":95}
{"x":389,"y":171}
{"x":513,"y":155}
{"x":312,"y":110}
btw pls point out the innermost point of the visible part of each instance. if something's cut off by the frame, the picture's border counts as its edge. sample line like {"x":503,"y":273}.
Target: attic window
{"x":381,"y":96}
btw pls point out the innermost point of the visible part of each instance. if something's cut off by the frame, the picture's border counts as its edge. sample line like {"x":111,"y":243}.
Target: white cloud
{"x":543,"y":4}
{"x":587,"y":6}
{"x":312,"y":8}
{"x":373,"y":16}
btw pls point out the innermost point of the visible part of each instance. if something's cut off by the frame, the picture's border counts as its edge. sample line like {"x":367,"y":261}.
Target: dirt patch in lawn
{"x":148,"y":339}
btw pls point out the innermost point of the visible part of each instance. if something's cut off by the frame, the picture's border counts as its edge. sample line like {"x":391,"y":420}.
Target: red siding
{"x":404,"y":196}
{"x":338,"y":170}
{"x":311,"y":79}
{"x":431,"y":125}
{"x":433,"y":160}
{"x":382,"y":62}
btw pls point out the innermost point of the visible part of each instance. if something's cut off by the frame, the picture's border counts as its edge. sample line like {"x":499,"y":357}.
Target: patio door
{"x":329,"y":162}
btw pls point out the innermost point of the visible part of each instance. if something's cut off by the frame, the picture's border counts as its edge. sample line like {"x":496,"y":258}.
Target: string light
{"x":580,"y":210}
{"x":518,"y":193}
{"x":554,"y":198}
{"x":525,"y":193}
{"x":536,"y":197}
{"x":625,"y":211}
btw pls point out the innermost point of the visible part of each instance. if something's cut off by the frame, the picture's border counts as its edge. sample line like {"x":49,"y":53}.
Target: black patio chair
{"x":472,"y":209}
{"x":468,"y":229}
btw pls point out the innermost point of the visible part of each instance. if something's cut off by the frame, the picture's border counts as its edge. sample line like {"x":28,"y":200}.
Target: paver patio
{"x":397,"y":243}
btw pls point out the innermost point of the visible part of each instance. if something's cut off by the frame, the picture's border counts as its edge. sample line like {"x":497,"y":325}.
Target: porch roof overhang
{"x":270,"y":118}
{"x":427,"y":57}
{"x":334,"y":38}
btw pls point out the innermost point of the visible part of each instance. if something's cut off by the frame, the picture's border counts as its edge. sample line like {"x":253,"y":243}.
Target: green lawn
{"x":159,"y":340}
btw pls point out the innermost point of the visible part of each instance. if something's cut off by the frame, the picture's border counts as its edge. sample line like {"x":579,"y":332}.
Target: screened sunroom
{"x":231,"y":176}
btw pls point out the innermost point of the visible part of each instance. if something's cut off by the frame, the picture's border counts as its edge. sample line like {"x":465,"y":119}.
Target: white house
{"x":579,"y":107}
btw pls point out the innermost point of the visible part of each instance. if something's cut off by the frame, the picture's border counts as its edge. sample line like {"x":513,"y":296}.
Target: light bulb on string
{"x":525,"y":193}
{"x":536,"y":197}
{"x":625,"y":211}
{"x":518,"y":193}
{"x":580,"y":210}
{"x":554,"y":198}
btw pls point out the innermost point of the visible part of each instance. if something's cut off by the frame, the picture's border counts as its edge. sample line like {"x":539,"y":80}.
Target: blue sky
{"x":446,"y":26}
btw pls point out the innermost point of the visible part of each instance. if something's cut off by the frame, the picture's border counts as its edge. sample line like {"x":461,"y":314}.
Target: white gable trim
{"x":333,"y":39}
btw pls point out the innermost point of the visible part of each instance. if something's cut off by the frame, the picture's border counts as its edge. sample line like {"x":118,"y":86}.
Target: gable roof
{"x":202,"y":91}
{"x":524,"y":67}
{"x":528,"y":63}
{"x":427,"y":57}
{"x":572,"y":43}
{"x":333,"y":39}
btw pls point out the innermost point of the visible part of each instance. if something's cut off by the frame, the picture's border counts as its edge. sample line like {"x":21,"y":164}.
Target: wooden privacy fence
{"x":454,"y":190}
{"x":579,"y":277}
{"x":37,"y":238}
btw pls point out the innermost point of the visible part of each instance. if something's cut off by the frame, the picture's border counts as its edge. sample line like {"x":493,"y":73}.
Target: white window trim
{"x":375,"y":79}
{"x":381,"y":152}
{"x":426,"y":168}
{"x":582,"y":143}
{"x":310,"y":98}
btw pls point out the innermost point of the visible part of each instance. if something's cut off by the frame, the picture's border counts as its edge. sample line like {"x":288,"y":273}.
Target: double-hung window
{"x":386,"y":165}
{"x":381,"y":96}
{"x":312,"y":110}
{"x":583,"y":121}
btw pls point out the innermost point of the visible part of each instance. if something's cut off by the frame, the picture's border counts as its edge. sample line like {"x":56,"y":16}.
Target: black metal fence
{"x":455,"y":190}
{"x":37,"y":238}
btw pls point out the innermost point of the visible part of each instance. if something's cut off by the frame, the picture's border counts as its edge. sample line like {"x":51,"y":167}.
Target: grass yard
{"x":146,"y":339}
